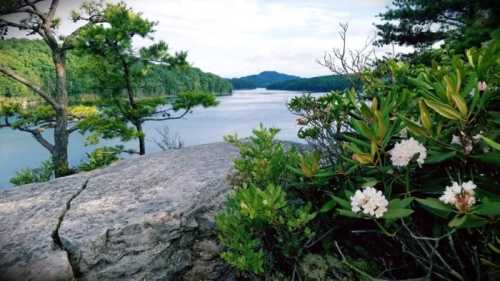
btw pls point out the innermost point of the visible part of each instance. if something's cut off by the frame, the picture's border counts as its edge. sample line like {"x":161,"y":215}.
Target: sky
{"x":234,"y":38}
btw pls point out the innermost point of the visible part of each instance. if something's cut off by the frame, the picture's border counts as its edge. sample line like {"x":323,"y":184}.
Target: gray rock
{"x":147,"y":218}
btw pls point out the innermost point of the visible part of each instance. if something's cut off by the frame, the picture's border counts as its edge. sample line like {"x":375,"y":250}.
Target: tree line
{"x":315,"y":84}
{"x":31,"y":58}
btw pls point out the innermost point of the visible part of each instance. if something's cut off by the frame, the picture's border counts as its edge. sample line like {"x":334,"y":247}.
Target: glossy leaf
{"x":397,"y":213}
{"x":444,"y":110}
{"x":491,"y":143}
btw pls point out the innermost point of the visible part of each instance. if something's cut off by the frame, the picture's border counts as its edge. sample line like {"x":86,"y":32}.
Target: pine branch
{"x":37,"y":89}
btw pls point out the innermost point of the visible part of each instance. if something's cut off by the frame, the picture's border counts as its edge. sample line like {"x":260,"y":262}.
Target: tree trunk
{"x":61,"y":135}
{"x":131,"y":100}
{"x":142,"y":140}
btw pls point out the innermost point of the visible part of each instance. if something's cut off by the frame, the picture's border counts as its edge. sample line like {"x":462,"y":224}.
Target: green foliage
{"x":261,"y":80}
{"x":262,"y":160}
{"x":315,"y":84}
{"x":101,"y":157}
{"x":419,"y":144}
{"x":26,"y":176}
{"x":31,"y":58}
{"x":277,"y":81}
{"x":121,"y":70}
{"x":461,"y":23}
{"x":260,"y":214}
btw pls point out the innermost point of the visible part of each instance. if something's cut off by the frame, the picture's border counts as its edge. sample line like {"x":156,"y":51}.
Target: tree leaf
{"x":467,"y":221}
{"x":343,"y":203}
{"x":491,"y":143}
{"x":397,"y":213}
{"x":347,"y":213}
{"x":438,"y":157}
{"x":460,"y":104}
{"x":488,"y":209}
{"x":424,"y":116}
{"x":400,"y":203}
{"x":443,"y":110}
{"x":414,"y":127}
{"x":436,"y":207}
{"x":489,"y":158}
{"x":328,"y":206}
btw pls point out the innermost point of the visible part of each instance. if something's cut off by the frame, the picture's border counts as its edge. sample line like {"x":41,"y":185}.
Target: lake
{"x":238,"y":113}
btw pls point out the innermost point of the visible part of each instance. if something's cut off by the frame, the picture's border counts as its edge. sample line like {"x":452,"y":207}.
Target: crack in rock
{"x":56,"y":238}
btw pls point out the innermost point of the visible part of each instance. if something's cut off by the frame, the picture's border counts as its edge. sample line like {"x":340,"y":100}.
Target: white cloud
{"x":240,"y":37}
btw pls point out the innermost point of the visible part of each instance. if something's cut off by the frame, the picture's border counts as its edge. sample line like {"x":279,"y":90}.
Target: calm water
{"x":239,"y":113}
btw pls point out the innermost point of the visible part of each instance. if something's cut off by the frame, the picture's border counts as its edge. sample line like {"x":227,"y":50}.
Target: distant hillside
{"x":261,"y":80}
{"x":32,"y":59}
{"x":315,"y":84}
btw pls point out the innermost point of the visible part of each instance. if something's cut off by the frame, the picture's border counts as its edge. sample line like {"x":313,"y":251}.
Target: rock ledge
{"x":148,"y":218}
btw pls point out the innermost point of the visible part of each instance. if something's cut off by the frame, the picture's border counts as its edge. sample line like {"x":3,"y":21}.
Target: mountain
{"x":261,"y":80}
{"x":315,"y":84}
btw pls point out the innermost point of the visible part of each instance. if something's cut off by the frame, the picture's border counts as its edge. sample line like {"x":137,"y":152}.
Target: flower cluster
{"x":404,"y":151}
{"x":462,"y":196}
{"x":369,"y":201}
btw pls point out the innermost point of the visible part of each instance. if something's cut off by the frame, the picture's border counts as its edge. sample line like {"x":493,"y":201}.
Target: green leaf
{"x":467,"y":221}
{"x":343,"y":203}
{"x":438,"y":157}
{"x":491,"y":143}
{"x":348,"y":213}
{"x":356,"y":141}
{"x":295,"y":170}
{"x":400,"y":203}
{"x":457,"y":221}
{"x":328,"y":206}
{"x":363,"y":129}
{"x":488,"y":209}
{"x":489,"y":158}
{"x":443,"y":110}
{"x":370,"y":182}
{"x":436,"y":207}
{"x":397,"y":213}
{"x":414,"y":127}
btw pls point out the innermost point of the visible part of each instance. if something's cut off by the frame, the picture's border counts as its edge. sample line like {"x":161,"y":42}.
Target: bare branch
{"x":37,"y":134}
{"x":37,"y":89}
{"x":52,"y":10}
{"x":344,"y":61}
{"x":5,"y":23}
{"x":19,"y":5}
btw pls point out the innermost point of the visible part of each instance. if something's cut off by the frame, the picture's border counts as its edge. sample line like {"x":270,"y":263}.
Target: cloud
{"x":238,"y":37}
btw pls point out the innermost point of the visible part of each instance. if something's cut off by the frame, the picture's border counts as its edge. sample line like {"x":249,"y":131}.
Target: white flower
{"x":404,"y":151}
{"x":462,"y":196}
{"x":370,"y":202}
{"x":469,"y":186}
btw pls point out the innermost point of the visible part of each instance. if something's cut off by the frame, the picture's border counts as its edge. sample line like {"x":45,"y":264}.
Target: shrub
{"x":26,"y":176}
{"x":403,"y":183}
{"x":101,"y":157}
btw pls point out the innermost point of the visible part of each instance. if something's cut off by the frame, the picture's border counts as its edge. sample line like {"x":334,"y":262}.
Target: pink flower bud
{"x":482,"y":86}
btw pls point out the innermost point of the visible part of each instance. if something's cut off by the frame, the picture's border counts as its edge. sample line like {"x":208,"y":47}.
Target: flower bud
{"x":482,"y":86}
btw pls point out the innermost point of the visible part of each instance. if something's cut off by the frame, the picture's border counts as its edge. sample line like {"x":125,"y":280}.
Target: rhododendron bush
{"x":402,"y":180}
